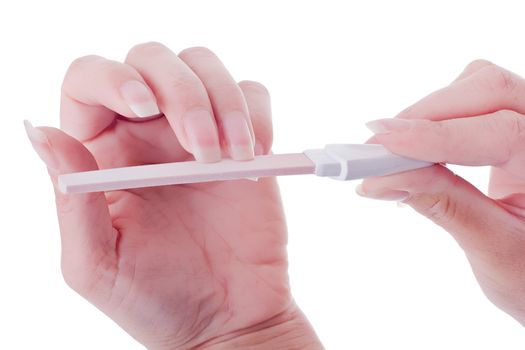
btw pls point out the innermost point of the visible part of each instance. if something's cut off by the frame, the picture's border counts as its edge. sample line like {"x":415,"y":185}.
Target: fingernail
{"x":237,"y":134}
{"x":41,"y":145}
{"x":384,"y":194}
{"x":258,"y":148}
{"x":202,"y":136}
{"x":139,"y":98}
{"x":402,"y":205}
{"x":384,"y":126}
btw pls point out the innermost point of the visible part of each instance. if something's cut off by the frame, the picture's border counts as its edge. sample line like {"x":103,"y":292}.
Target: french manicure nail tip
{"x":139,"y":98}
{"x":396,"y":196}
{"x":41,"y":145}
{"x":386,"y":195}
{"x":242,"y":152}
{"x":34,"y":134}
{"x":143,"y":110}
{"x":206,"y":154}
{"x":383,"y":126}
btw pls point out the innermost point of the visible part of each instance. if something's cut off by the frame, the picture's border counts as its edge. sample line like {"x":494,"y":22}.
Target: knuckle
{"x":253,"y":86}
{"x":196,"y":51}
{"x":439,"y":206}
{"x":477,"y":64}
{"x":500,"y":79}
{"x":84,"y":67}
{"x":442,"y":209}
{"x":146,"y":49}
{"x":81,"y":63}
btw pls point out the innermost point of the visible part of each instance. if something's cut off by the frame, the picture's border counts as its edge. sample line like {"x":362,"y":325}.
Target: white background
{"x":368,"y":275}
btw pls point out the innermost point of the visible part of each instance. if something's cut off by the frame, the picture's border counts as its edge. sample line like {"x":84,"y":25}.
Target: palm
{"x":214,"y":251}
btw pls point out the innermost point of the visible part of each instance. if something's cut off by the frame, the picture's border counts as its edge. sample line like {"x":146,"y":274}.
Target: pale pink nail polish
{"x":238,"y":137}
{"x":201,"y":134}
{"x":384,"y":126}
{"x":258,"y":148}
{"x":139,"y":98}
{"x":41,"y":145}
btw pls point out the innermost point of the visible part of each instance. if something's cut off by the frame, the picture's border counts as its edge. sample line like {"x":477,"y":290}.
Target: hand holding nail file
{"x":338,"y":161}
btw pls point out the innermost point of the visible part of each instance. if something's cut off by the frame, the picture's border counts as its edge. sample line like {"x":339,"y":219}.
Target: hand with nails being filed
{"x":477,"y":120}
{"x":200,"y":266}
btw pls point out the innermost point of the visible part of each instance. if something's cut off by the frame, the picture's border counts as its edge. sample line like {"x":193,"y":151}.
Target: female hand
{"x":178,"y":267}
{"x":477,"y":120}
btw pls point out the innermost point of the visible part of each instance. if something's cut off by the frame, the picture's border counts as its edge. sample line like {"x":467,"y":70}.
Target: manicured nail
{"x":385,"y":194}
{"x":384,"y":126}
{"x":237,"y":134}
{"x":41,"y":145}
{"x":258,"y":148}
{"x":402,"y":205}
{"x":139,"y":98}
{"x":202,"y":136}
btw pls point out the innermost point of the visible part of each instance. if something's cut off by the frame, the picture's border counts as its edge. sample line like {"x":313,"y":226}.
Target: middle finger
{"x":227,"y":99}
{"x":182,"y":98}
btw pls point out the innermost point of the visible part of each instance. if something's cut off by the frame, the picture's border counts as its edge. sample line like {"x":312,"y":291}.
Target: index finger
{"x":95,"y":89}
{"x":485,"y":91}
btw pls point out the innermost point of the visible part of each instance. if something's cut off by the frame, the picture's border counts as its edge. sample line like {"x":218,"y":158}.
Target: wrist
{"x":288,"y":330}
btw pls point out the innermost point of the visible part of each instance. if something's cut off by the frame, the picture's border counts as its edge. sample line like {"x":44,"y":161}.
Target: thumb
{"x":474,"y":220}
{"x":87,"y":235}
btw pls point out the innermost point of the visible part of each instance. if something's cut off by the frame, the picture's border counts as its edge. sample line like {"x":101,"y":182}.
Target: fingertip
{"x":139,"y":98}
{"x":238,"y":136}
{"x":382,"y":193}
{"x":207,"y":154}
{"x":201,"y":136}
{"x":388,"y":125}
{"x":245,"y":152}
{"x":259,"y":149}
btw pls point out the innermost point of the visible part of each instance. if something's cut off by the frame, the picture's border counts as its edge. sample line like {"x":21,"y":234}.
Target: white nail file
{"x":338,"y":161}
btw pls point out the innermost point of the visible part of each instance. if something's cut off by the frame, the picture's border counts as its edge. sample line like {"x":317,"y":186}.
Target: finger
{"x":95,"y":88}
{"x":472,"y":68}
{"x":493,"y":139}
{"x":259,"y":107}
{"x":473,"y":219}
{"x":489,"y":89}
{"x":182,"y":98}
{"x":88,"y":238}
{"x":489,"y":233}
{"x":229,"y":105}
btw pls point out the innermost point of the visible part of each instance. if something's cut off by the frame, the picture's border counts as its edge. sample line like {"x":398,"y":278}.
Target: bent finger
{"x":95,"y":89}
{"x":472,"y":68}
{"x":487,"y":90}
{"x":492,"y":139}
{"x":182,"y":98}
{"x":472,"y":218}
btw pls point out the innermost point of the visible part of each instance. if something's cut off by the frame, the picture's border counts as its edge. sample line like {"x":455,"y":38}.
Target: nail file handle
{"x":357,"y":161}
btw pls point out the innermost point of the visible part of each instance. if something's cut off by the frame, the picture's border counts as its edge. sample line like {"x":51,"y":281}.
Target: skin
{"x":204,"y":266}
{"x":199,"y":266}
{"x":477,"y":120}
